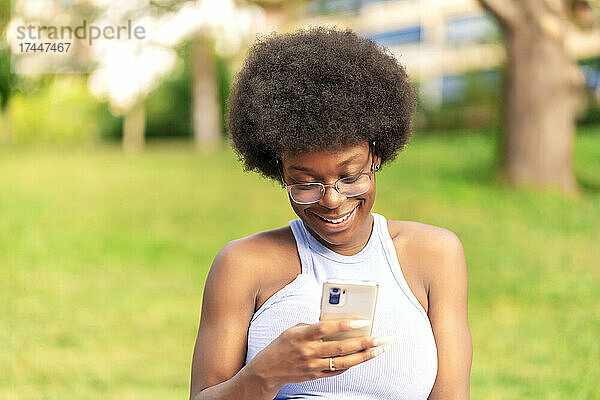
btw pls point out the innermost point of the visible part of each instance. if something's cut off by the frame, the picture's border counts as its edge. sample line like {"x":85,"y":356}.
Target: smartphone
{"x":348,"y":299}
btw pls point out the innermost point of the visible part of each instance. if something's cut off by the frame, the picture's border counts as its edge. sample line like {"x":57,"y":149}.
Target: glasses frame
{"x":288,"y":188}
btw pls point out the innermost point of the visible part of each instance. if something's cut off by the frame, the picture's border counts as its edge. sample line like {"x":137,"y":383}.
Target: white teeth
{"x":339,"y":220}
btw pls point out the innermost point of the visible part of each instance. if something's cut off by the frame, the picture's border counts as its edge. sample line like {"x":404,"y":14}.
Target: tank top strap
{"x":392,"y":258}
{"x":300,"y":233}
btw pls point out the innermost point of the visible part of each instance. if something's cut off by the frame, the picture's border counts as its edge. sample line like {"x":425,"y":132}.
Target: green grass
{"x":103,"y":259}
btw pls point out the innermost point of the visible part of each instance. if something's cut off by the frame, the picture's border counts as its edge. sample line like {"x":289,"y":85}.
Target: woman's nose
{"x":332,"y":199}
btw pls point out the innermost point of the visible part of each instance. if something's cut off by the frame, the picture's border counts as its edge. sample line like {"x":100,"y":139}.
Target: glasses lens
{"x":354,"y":185}
{"x":307,"y":193}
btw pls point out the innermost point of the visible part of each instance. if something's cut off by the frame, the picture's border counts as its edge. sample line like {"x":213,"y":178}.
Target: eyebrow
{"x":343,"y":163}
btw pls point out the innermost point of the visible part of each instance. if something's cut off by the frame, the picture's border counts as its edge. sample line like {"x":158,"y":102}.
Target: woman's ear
{"x":376,"y":162}
{"x":376,"y":157}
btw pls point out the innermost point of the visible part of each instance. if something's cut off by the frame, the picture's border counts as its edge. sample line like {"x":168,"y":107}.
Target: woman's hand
{"x":299,"y":354}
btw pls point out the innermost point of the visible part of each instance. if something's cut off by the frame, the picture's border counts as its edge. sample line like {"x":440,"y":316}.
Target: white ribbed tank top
{"x":406,"y":370}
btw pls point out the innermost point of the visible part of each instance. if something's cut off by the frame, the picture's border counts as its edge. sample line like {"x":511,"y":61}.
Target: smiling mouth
{"x":339,"y":220}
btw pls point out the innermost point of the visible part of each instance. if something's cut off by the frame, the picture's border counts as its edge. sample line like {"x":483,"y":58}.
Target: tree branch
{"x":505,"y":11}
{"x":556,"y":7}
{"x":550,"y":16}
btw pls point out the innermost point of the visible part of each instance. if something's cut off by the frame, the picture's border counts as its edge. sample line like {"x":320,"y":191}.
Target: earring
{"x":377,"y":167}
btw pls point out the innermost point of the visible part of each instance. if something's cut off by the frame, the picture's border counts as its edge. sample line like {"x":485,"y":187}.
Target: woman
{"x":320,"y":111}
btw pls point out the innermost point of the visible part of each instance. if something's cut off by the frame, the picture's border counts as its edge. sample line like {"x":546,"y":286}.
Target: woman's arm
{"x":447,"y":294}
{"x":220,"y":350}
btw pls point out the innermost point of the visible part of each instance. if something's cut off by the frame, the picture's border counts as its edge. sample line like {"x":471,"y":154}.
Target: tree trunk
{"x":134,"y":127}
{"x":205,"y":100}
{"x":540,"y":107}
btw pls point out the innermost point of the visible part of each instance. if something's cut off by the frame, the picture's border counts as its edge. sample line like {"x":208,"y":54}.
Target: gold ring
{"x":331,"y":366}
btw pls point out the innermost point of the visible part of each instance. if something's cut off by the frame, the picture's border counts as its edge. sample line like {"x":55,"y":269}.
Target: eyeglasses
{"x":309,"y":193}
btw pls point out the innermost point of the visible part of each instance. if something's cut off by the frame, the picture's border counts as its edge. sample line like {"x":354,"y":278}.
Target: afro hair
{"x":317,"y":89}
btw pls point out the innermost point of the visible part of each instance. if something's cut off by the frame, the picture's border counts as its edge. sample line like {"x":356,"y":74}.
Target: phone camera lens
{"x":334,"y":296}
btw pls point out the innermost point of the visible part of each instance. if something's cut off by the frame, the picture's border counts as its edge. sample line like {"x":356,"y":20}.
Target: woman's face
{"x":326,"y":167}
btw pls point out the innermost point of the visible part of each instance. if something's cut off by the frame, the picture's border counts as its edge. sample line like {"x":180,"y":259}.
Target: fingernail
{"x":359,"y":323}
{"x":378,"y":351}
{"x":383,"y":340}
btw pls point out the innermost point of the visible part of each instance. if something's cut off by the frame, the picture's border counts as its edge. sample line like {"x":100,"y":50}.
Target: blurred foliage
{"x":7,"y":80}
{"x":323,"y":7}
{"x":478,"y":103}
{"x":475,"y":105}
{"x":168,"y":107}
{"x":225,"y":81}
{"x":590,"y":113}
{"x":60,"y":111}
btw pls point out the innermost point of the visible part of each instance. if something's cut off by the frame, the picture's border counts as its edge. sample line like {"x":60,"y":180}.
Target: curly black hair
{"x":317,"y":89}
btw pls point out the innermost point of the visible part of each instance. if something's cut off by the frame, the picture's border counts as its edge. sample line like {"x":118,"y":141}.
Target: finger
{"x":323,"y":374}
{"x":348,"y":361}
{"x":348,"y":346}
{"x":324,"y":328}
{"x":332,"y":373}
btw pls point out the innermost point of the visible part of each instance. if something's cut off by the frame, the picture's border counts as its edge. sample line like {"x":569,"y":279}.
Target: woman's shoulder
{"x":259,"y":253}
{"x":424,"y":247}
{"x":261,"y":244}
{"x":251,"y":257}
{"x":260,"y":264}
{"x":412,"y":233}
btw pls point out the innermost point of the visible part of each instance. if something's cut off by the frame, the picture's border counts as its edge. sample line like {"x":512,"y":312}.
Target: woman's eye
{"x":350,"y":179}
{"x":305,"y":187}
